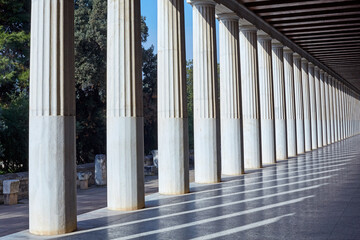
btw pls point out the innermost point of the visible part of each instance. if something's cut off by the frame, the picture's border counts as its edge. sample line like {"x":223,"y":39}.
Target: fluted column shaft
{"x":250,"y":97}
{"x":342,"y":107}
{"x":299,"y":105}
{"x":336,"y":88}
{"x":306,"y":99}
{"x":323,"y":108}
{"x":232,"y":162}
{"x":331,"y":110}
{"x":327,"y":103}
{"x":125,"y":128}
{"x":313,"y":115}
{"x":173,"y":143}
{"x":52,"y":154}
{"x":279,"y":100}
{"x":267,"y":123}
{"x":290,"y":103}
{"x":318,"y":110}
{"x":206,"y":104}
{"x":335,"y":104}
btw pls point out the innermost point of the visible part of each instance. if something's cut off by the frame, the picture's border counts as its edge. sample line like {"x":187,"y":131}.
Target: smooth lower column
{"x":299,"y":105}
{"x":206,"y":104}
{"x":331,"y":109}
{"x":318,"y":110}
{"x":173,"y":142}
{"x":323,"y":107}
{"x":290,"y":102}
{"x":52,"y":152}
{"x":306,"y":99}
{"x":327,"y":105}
{"x":313,"y":115}
{"x":250,"y":96}
{"x":125,"y":128}
{"x":232,"y":162}
{"x":267,"y":123}
{"x":279,"y":100}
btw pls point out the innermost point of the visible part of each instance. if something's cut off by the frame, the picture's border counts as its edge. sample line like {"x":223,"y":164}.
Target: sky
{"x":149,"y":10}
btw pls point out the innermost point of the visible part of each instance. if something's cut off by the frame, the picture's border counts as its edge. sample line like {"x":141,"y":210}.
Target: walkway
{"x":313,"y":196}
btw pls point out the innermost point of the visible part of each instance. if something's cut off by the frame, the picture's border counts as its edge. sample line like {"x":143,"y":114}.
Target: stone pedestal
{"x":232,"y":162}
{"x":306,"y":101}
{"x":290,"y":102}
{"x":125,"y":128}
{"x":52,"y":155}
{"x":84,"y":179}
{"x":173,"y":144}
{"x":100,"y":170}
{"x":279,"y":100}
{"x":250,"y":96}
{"x":300,"y":139}
{"x":10,"y":191}
{"x":206,"y":100}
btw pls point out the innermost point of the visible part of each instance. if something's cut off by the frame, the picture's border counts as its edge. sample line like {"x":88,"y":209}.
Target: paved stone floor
{"x":312,"y":196}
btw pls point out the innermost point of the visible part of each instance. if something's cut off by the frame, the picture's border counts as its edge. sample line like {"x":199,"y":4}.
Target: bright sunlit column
{"x":250,"y":96}
{"x":279,"y":100}
{"x":52,"y":152}
{"x":306,"y":100}
{"x":267,"y":124}
{"x":318,"y":100}
{"x":232,"y":162}
{"x":313,"y":115}
{"x":173,"y":142}
{"x":125,"y":128}
{"x":290,"y":102}
{"x":331,"y":109}
{"x":327,"y":106}
{"x":299,"y":105}
{"x":206,"y":101}
{"x":323,"y":108}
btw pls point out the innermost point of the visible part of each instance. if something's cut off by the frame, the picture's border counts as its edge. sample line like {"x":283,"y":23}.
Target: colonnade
{"x":270,"y":104}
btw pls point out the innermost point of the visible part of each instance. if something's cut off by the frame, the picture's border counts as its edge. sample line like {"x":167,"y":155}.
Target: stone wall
{"x":24,"y":180}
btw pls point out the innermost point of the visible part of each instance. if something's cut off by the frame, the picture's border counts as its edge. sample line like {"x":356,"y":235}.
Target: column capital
{"x":230,"y":16}
{"x":296,"y":55}
{"x":304,"y":60}
{"x":311,"y":64}
{"x":316,"y":68}
{"x":244,"y":25}
{"x":326,"y":74}
{"x":288,"y":50}
{"x":322,"y":71}
{"x":276,"y":43}
{"x":261,"y":35}
{"x":201,"y":2}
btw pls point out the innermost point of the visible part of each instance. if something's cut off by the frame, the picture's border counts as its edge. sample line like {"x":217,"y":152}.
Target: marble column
{"x":232,"y":162}
{"x":279,"y":100}
{"x":250,"y":96}
{"x":267,"y":123}
{"x":52,"y":152}
{"x":337,"y":110}
{"x":318,"y":110}
{"x":313,"y":115}
{"x":335,"y":104}
{"x":306,"y":99}
{"x":342,"y":106}
{"x":173,"y":142}
{"x":331,"y":109}
{"x":125,"y":128}
{"x":206,"y":101}
{"x":327,"y":106}
{"x":299,"y":105}
{"x":323,"y":107}
{"x":290,"y":102}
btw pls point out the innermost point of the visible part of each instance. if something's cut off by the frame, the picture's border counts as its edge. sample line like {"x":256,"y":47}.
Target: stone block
{"x":100,"y":169}
{"x":84,"y":179}
{"x":11,"y":190}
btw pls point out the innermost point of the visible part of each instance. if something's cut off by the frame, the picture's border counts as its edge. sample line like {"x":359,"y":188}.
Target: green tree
{"x":190,"y":101}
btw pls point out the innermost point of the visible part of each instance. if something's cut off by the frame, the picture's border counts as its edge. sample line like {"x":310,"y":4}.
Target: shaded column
{"x":267,"y":124}
{"x":331,"y":109}
{"x":306,"y":99}
{"x":206,"y":101}
{"x":290,"y":102}
{"x":342,"y":106}
{"x":250,"y":96}
{"x":323,"y":107}
{"x":327,"y":106}
{"x":52,"y":152}
{"x":279,"y":100}
{"x":313,"y":115}
{"x":232,"y":162}
{"x":318,"y":110}
{"x":125,"y":128}
{"x":173,"y":144}
{"x":300,"y":138}
{"x":336,"y":88}
{"x":335,"y":104}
